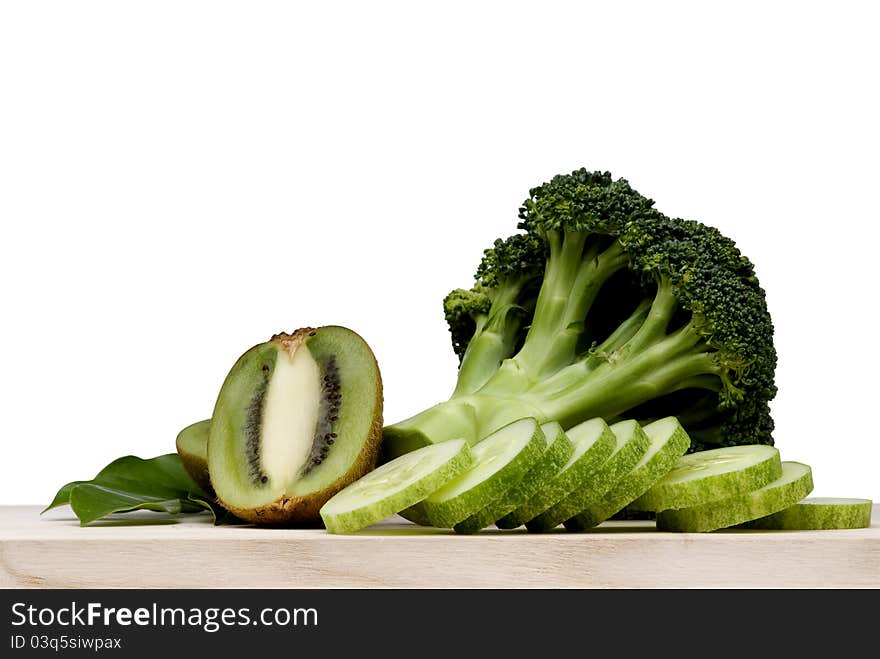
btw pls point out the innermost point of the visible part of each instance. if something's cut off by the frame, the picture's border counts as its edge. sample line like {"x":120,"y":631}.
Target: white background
{"x":180,"y":180}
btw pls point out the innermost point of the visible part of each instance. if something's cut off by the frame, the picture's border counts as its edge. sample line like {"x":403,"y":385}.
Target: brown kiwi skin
{"x":303,"y":510}
{"x":198,"y":471}
{"x":196,"y":466}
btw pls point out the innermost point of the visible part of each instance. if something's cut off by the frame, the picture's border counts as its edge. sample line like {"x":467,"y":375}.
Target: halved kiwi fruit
{"x":192,"y":447}
{"x":298,"y":418}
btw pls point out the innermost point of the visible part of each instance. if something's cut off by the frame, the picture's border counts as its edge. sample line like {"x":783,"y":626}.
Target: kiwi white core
{"x":290,"y":414}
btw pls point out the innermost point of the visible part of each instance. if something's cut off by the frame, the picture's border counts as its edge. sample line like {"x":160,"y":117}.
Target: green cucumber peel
{"x":500,"y":461}
{"x":795,"y":483}
{"x":630,"y":444}
{"x":593,"y":443}
{"x":706,"y":476}
{"x":817,"y":513}
{"x":416,"y":512}
{"x":559,"y":451}
{"x":668,"y":441}
{"x":395,"y":486}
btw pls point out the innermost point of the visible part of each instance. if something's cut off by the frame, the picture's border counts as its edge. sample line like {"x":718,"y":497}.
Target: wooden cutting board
{"x":53,"y":551}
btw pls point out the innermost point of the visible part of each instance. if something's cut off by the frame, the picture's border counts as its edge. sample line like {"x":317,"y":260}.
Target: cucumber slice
{"x":415,"y":513}
{"x":668,"y":442}
{"x":500,"y":461}
{"x":818,"y":513}
{"x":395,"y":485}
{"x":630,"y":444}
{"x":593,"y":442}
{"x":706,"y":476}
{"x":559,"y":450}
{"x":795,"y":483}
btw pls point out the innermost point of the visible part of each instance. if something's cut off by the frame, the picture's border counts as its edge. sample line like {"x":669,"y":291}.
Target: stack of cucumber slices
{"x":542,"y":477}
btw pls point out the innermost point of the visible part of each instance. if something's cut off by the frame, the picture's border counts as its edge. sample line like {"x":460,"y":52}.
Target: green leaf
{"x":130,"y":483}
{"x":63,"y":496}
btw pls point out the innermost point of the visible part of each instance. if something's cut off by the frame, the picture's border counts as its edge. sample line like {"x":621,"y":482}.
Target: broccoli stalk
{"x":604,"y":307}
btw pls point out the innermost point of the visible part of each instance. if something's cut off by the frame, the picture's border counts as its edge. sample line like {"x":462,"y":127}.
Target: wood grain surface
{"x":53,"y":551}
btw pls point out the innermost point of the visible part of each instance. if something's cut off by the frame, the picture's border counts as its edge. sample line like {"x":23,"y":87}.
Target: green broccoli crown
{"x":710,"y":278}
{"x":520,"y":255}
{"x":661,"y":240}
{"x":595,"y":227}
{"x":463,"y":308}
{"x":717,"y":284}
{"x":582,"y":201}
{"x":707,"y":274}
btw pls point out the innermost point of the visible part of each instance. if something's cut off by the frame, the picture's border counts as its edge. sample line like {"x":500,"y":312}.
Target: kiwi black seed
{"x":328,"y":413}
{"x":252,"y":426}
{"x":297,"y":419}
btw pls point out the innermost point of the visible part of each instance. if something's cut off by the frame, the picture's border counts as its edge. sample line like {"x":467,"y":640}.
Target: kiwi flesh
{"x":297,"y":419}
{"x":192,"y":447}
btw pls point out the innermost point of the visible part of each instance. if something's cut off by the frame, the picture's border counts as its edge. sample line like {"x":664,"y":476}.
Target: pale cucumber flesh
{"x":706,"y":476}
{"x":500,"y":461}
{"x":395,"y":486}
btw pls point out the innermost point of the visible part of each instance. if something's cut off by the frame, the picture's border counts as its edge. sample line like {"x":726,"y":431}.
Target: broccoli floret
{"x":604,"y":306}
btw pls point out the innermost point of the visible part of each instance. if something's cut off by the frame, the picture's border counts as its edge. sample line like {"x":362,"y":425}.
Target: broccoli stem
{"x":657,"y":320}
{"x":574,"y":275}
{"x":707,"y":382}
{"x":624,"y":332}
{"x":493,"y":339}
{"x":633,"y":377}
{"x":467,"y":417}
{"x":598,"y":355}
{"x":636,"y":363}
{"x":554,"y":298}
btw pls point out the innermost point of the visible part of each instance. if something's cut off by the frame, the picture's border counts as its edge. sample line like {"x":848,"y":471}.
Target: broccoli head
{"x":604,"y":306}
